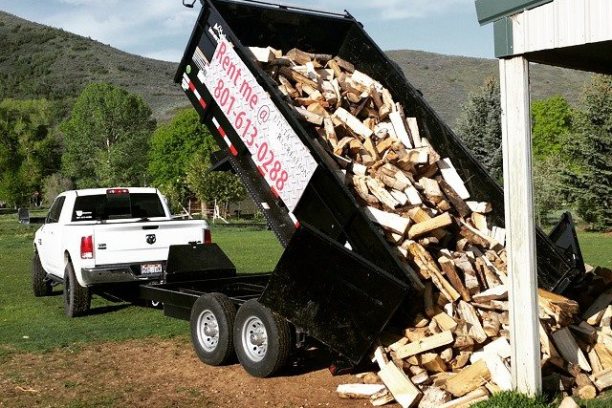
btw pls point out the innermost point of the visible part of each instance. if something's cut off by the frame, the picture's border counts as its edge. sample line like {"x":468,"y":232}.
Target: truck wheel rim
{"x":208,"y":330}
{"x":254,"y":339}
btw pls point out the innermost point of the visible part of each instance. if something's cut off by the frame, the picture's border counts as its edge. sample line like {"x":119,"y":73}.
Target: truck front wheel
{"x":262,"y":339}
{"x":77,"y":299}
{"x":40,"y":284}
{"x":212,"y":322}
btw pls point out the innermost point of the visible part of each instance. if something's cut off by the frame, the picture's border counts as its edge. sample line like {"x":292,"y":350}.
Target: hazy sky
{"x":160,"y":28}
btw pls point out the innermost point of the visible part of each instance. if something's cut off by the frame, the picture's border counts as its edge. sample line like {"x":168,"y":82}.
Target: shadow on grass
{"x":107,"y":309}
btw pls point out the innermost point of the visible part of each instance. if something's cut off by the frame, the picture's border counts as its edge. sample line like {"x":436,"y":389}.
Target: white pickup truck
{"x":106,"y":236}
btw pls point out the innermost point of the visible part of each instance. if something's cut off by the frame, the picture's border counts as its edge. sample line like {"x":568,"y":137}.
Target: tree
{"x":551,"y":123}
{"x":589,"y":177}
{"x":106,"y":138}
{"x":479,"y":125}
{"x":221,"y":186}
{"x":54,"y":185}
{"x":173,"y":147}
{"x":29,"y":150}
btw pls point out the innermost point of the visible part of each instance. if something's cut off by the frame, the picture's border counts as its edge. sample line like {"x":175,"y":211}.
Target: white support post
{"x":520,"y":225}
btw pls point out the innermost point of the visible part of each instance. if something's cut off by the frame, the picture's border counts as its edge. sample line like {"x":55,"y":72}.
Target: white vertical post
{"x":520,"y":225}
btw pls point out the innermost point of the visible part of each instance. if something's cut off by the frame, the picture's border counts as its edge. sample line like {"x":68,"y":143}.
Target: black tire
{"x":213,"y":348}
{"x":249,"y":339}
{"x":77,"y":299}
{"x":40,"y":284}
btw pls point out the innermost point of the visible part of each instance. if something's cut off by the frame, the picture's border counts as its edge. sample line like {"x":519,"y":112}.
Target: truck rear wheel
{"x":40,"y":284}
{"x":262,"y":339}
{"x":212,"y":323}
{"x":77,"y":299}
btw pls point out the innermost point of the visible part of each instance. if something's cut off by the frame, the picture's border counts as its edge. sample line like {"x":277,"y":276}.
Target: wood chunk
{"x":499,"y":292}
{"x":310,"y":117}
{"x":461,"y":359}
{"x":419,"y":215}
{"x":479,"y":207}
{"x":500,"y":374}
{"x":298,"y":56}
{"x":381,"y":398}
{"x":457,"y":202}
{"x":568,"y":402}
{"x":584,"y":387}
{"x":363,"y":192}
{"x":594,"y":361}
{"x":433,"y":363}
{"x":352,"y":122}
{"x":297,"y":77}
{"x":445,"y":322}
{"x":413,"y":130}
{"x":499,"y":347}
{"x":425,"y":344}
{"x":447,"y":354}
{"x":431,"y":189}
{"x":595,"y":312}
{"x":427,"y":265}
{"x":558,"y":307}
{"x":262,"y":54}
{"x":603,"y":379}
{"x":490,"y":277}
{"x":468,"y":379}
{"x":452,"y":177}
{"x":396,"y":381}
{"x":448,"y":267}
{"x":567,"y":346}
{"x":490,"y":323}
{"x":330,"y":132}
{"x":345,"y":65}
{"x":468,"y":313}
{"x":480,"y":222}
{"x":389,"y":221}
{"x":585,"y":330}
{"x":368,"y":377}
{"x":477,"y":238}
{"x":358,"y":391}
{"x":433,"y":397}
{"x":469,"y":275}
{"x":432,"y":224}
{"x":378,"y":190}
{"x":604,"y":355}
{"x":400,"y":129}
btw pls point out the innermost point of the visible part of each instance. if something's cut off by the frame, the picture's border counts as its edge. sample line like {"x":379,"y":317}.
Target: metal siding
{"x":562,"y":23}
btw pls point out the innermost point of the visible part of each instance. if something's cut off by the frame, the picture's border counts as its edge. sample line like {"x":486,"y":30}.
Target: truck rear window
{"x":97,"y":207}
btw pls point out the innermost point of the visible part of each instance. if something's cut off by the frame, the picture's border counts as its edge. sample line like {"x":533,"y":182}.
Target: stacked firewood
{"x":456,"y":351}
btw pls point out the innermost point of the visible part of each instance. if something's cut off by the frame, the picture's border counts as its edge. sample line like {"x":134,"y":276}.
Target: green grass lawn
{"x":38,"y":324}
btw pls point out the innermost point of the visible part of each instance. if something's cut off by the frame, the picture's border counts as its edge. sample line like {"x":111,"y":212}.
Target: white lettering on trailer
{"x":279,"y":154}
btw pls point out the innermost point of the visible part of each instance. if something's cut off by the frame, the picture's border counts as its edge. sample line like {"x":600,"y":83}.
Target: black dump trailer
{"x":337,"y":281}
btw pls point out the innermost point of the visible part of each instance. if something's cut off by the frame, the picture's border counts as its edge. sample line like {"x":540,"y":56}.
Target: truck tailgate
{"x":138,"y":242}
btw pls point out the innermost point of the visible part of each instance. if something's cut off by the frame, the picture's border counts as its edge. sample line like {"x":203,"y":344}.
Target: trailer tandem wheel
{"x":262,"y":339}
{"x":212,"y":322}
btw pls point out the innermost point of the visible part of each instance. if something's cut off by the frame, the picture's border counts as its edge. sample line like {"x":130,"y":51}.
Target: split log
{"x":452,"y":178}
{"x":445,"y":322}
{"x":389,"y":221}
{"x":468,"y":313}
{"x":400,"y":129}
{"x":468,"y":379}
{"x":457,"y":202}
{"x":433,"y":397}
{"x":603,"y":379}
{"x":425,"y":344}
{"x":381,"y":398}
{"x":594,"y":313}
{"x":480,"y":394}
{"x":396,"y":381}
{"x":567,"y":346}
{"x":353,"y":123}
{"x":448,"y":267}
{"x":432,"y":224}
{"x":358,"y":391}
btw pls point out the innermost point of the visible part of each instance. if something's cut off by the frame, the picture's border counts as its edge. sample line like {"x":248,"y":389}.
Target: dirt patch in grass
{"x":159,"y":373}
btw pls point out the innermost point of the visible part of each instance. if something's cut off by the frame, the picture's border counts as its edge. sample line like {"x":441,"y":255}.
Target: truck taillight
{"x":117,"y":191}
{"x":207,"y":237}
{"x":87,"y":249}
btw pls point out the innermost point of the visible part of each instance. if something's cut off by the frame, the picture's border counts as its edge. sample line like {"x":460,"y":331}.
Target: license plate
{"x":149,"y":269}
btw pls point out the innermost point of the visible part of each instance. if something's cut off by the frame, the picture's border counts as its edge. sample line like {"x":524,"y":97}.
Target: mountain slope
{"x":40,"y":61}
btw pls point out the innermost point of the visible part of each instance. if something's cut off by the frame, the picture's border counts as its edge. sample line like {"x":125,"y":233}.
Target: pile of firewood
{"x":456,"y":351}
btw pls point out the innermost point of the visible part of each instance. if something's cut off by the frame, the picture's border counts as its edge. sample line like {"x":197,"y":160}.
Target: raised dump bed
{"x":338,"y":278}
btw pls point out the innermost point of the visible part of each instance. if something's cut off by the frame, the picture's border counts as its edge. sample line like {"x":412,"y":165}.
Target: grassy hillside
{"x":39,"y":61}
{"x":446,"y":81}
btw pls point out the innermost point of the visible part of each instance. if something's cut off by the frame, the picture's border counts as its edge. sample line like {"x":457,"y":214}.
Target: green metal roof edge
{"x":488,"y":11}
